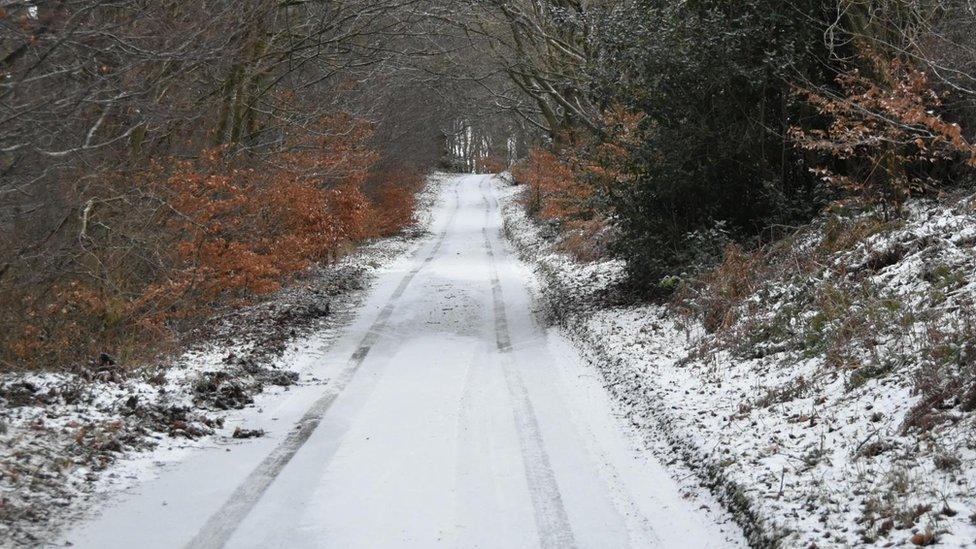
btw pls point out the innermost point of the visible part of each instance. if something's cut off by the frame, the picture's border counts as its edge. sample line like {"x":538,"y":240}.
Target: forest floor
{"x":832,"y":402}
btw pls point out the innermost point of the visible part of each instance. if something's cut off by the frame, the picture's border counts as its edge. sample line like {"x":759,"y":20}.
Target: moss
{"x":669,"y":283}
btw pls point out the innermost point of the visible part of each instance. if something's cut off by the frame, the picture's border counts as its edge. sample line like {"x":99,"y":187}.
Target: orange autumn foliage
{"x":395,"y":201}
{"x":224,"y":228}
{"x":491,"y":164}
{"x":554,"y":191}
{"x":890,"y":123}
{"x":566,"y":183}
{"x":572,"y":184}
{"x":245,"y":231}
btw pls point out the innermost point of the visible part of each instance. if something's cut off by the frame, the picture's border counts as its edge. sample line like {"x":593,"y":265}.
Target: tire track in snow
{"x":551,"y":519}
{"x":221,"y":525}
{"x":613,"y":475}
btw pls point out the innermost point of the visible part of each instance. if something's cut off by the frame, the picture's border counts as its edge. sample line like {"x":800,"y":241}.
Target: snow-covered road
{"x":450,"y":418}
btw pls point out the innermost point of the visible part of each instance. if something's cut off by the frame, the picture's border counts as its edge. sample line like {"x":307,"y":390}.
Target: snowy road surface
{"x":450,"y":418}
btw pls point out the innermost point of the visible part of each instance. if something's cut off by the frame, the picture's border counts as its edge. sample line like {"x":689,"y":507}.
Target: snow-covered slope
{"x":828,"y":404}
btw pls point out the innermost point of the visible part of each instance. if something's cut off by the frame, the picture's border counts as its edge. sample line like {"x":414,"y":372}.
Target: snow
{"x":783,"y":438}
{"x":72,"y":440}
{"x":446,"y":414}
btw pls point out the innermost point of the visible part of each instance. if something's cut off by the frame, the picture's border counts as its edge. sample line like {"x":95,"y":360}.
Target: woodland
{"x":162,"y":160}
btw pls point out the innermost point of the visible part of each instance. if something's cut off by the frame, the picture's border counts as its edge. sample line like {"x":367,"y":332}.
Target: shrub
{"x":394,"y":199}
{"x":716,"y":296}
{"x":184,"y":237}
{"x":572,"y":185}
{"x":884,"y":133}
{"x":554,"y":192}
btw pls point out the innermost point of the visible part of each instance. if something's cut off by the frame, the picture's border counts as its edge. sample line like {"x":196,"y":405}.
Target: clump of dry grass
{"x":717,"y":297}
